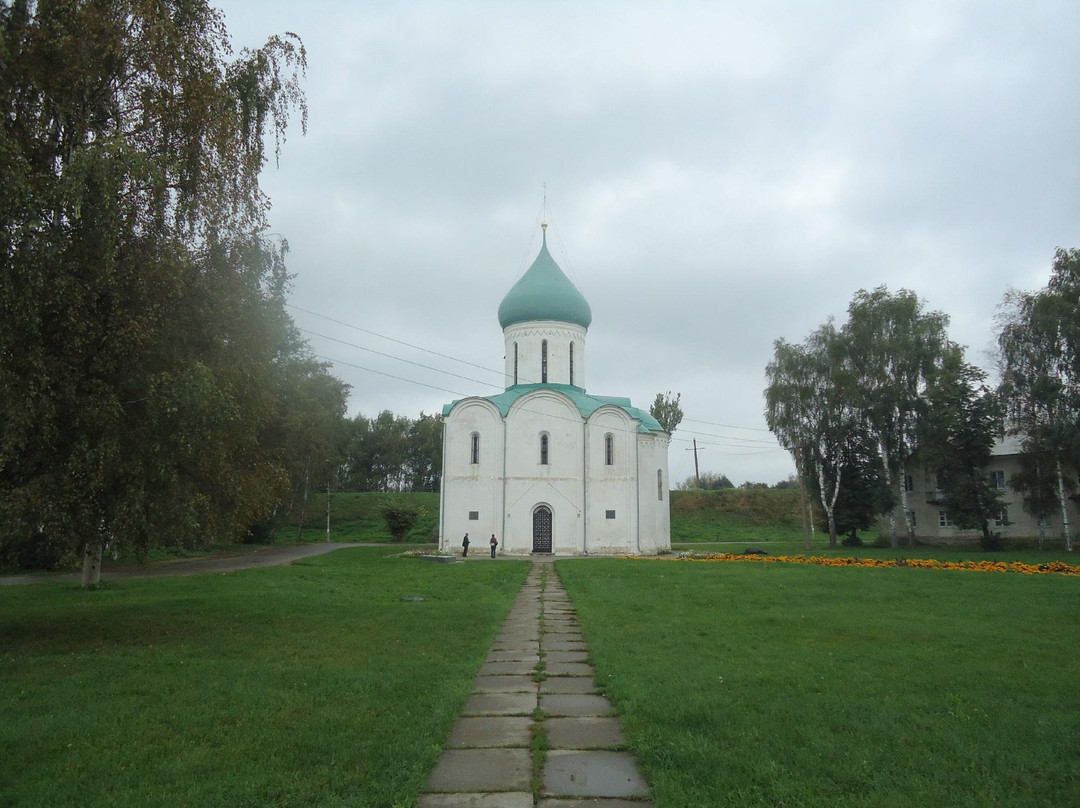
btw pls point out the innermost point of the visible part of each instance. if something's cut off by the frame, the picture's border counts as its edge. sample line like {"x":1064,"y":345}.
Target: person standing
{"x":465,"y":546}
{"x":494,"y":543}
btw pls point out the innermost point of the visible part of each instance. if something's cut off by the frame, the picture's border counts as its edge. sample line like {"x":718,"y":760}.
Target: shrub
{"x":852,"y":540}
{"x":400,"y":516}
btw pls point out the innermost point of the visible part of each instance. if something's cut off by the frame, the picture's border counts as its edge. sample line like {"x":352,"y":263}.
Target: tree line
{"x":860,"y":405}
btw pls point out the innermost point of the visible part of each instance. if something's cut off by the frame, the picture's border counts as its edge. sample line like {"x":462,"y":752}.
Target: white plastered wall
{"x":654,"y":497}
{"x":557,"y":484}
{"x":611,"y":487}
{"x":529,"y":338}
{"x":468,"y":486}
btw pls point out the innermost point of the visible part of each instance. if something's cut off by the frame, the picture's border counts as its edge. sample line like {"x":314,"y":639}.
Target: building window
{"x":609,"y":514}
{"x":543,"y":448}
{"x":660,"y":484}
{"x":474,"y":515}
{"x":943,"y":519}
{"x":911,"y":518}
{"x":997,"y":479}
{"x":1043,"y":521}
{"x":571,"y":363}
{"x":909,"y":483}
{"x":609,"y":449}
{"x":543,"y":362}
{"x":515,"y":363}
{"x":1002,"y":518}
{"x":474,"y":449}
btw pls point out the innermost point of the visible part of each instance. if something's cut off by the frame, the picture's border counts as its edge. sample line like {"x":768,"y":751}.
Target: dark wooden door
{"x":542,"y":530}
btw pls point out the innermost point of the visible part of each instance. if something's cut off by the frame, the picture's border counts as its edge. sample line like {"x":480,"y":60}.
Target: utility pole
{"x":328,"y":504}
{"x":697,"y":474}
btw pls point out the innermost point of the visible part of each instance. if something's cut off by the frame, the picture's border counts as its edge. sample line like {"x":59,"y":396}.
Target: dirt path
{"x":272,"y":556}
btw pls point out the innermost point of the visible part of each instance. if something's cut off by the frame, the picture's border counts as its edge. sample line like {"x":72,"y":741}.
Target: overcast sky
{"x":719,"y":175}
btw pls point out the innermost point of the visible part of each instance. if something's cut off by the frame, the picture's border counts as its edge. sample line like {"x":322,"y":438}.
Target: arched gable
{"x":547,"y":403}
{"x":472,"y":436}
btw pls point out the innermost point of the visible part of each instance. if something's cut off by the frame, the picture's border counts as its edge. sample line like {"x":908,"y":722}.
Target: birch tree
{"x":896,"y":348}
{"x":1039,"y":342}
{"x":140,"y":298}
{"x":810,"y":408}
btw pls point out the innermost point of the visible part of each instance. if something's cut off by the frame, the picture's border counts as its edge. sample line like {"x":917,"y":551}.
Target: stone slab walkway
{"x":537,"y":685}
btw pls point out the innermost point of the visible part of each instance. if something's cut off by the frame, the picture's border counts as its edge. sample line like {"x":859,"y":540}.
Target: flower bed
{"x":1050,"y":568}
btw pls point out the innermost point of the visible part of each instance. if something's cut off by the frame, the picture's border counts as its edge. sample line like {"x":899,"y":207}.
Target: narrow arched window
{"x":515,"y":363}
{"x":543,"y":448}
{"x":571,"y":363}
{"x":474,"y":450}
{"x":543,"y":362}
{"x":660,"y":484}
{"x":609,"y":449}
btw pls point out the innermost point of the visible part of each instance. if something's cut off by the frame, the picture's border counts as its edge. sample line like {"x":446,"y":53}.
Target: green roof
{"x":585,"y":403}
{"x":544,"y":293}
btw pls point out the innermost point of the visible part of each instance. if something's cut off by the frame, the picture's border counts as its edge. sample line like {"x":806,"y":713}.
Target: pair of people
{"x":465,"y":545}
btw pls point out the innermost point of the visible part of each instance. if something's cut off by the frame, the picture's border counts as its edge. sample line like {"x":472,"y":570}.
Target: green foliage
{"x":392,"y":453}
{"x":849,"y":404}
{"x":812,"y":407}
{"x":309,"y":684}
{"x":401,"y":515}
{"x":895,"y":349}
{"x":145,"y":354}
{"x":864,"y":494}
{"x":666,"y":410}
{"x":957,"y":433}
{"x":753,"y":685}
{"x":1039,"y":342}
{"x":709,"y":481}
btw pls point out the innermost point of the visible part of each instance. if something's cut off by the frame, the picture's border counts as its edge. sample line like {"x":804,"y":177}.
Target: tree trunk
{"x":91,"y":569}
{"x":828,"y":506}
{"x":1064,"y":507}
{"x":802,"y":502}
{"x":303,"y":504}
{"x":904,"y":505}
{"x":1039,"y":520}
{"x":889,"y":482}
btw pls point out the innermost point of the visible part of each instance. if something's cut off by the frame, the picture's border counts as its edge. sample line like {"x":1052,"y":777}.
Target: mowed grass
{"x":315,"y":684}
{"x":787,"y":685}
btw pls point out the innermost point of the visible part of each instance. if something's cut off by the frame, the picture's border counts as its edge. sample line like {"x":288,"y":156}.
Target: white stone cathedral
{"x":545,"y":466}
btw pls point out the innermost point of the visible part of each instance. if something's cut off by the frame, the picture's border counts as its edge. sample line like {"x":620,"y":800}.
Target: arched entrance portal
{"x":542,"y":529}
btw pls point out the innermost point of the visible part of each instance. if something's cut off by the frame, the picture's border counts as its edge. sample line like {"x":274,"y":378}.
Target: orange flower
{"x":1049,"y":568}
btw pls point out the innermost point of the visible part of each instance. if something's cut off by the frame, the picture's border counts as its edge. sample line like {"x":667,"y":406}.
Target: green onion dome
{"x":544,"y":293}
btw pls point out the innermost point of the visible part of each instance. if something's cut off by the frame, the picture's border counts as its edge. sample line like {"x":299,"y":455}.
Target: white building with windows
{"x":545,"y":466}
{"x":926,"y":502}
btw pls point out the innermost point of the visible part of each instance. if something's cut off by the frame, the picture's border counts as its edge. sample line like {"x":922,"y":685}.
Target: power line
{"x":389,"y":375}
{"x":474,"y":365}
{"x":397,"y":358}
{"x":393,"y":339}
{"x":727,"y":426}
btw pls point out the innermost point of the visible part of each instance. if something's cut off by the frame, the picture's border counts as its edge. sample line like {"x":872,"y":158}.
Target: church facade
{"x":545,"y":466}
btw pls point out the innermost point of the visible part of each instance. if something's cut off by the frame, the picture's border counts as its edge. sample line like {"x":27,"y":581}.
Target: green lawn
{"x":788,"y":685}
{"x":324,"y":683}
{"x":313,"y":684}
